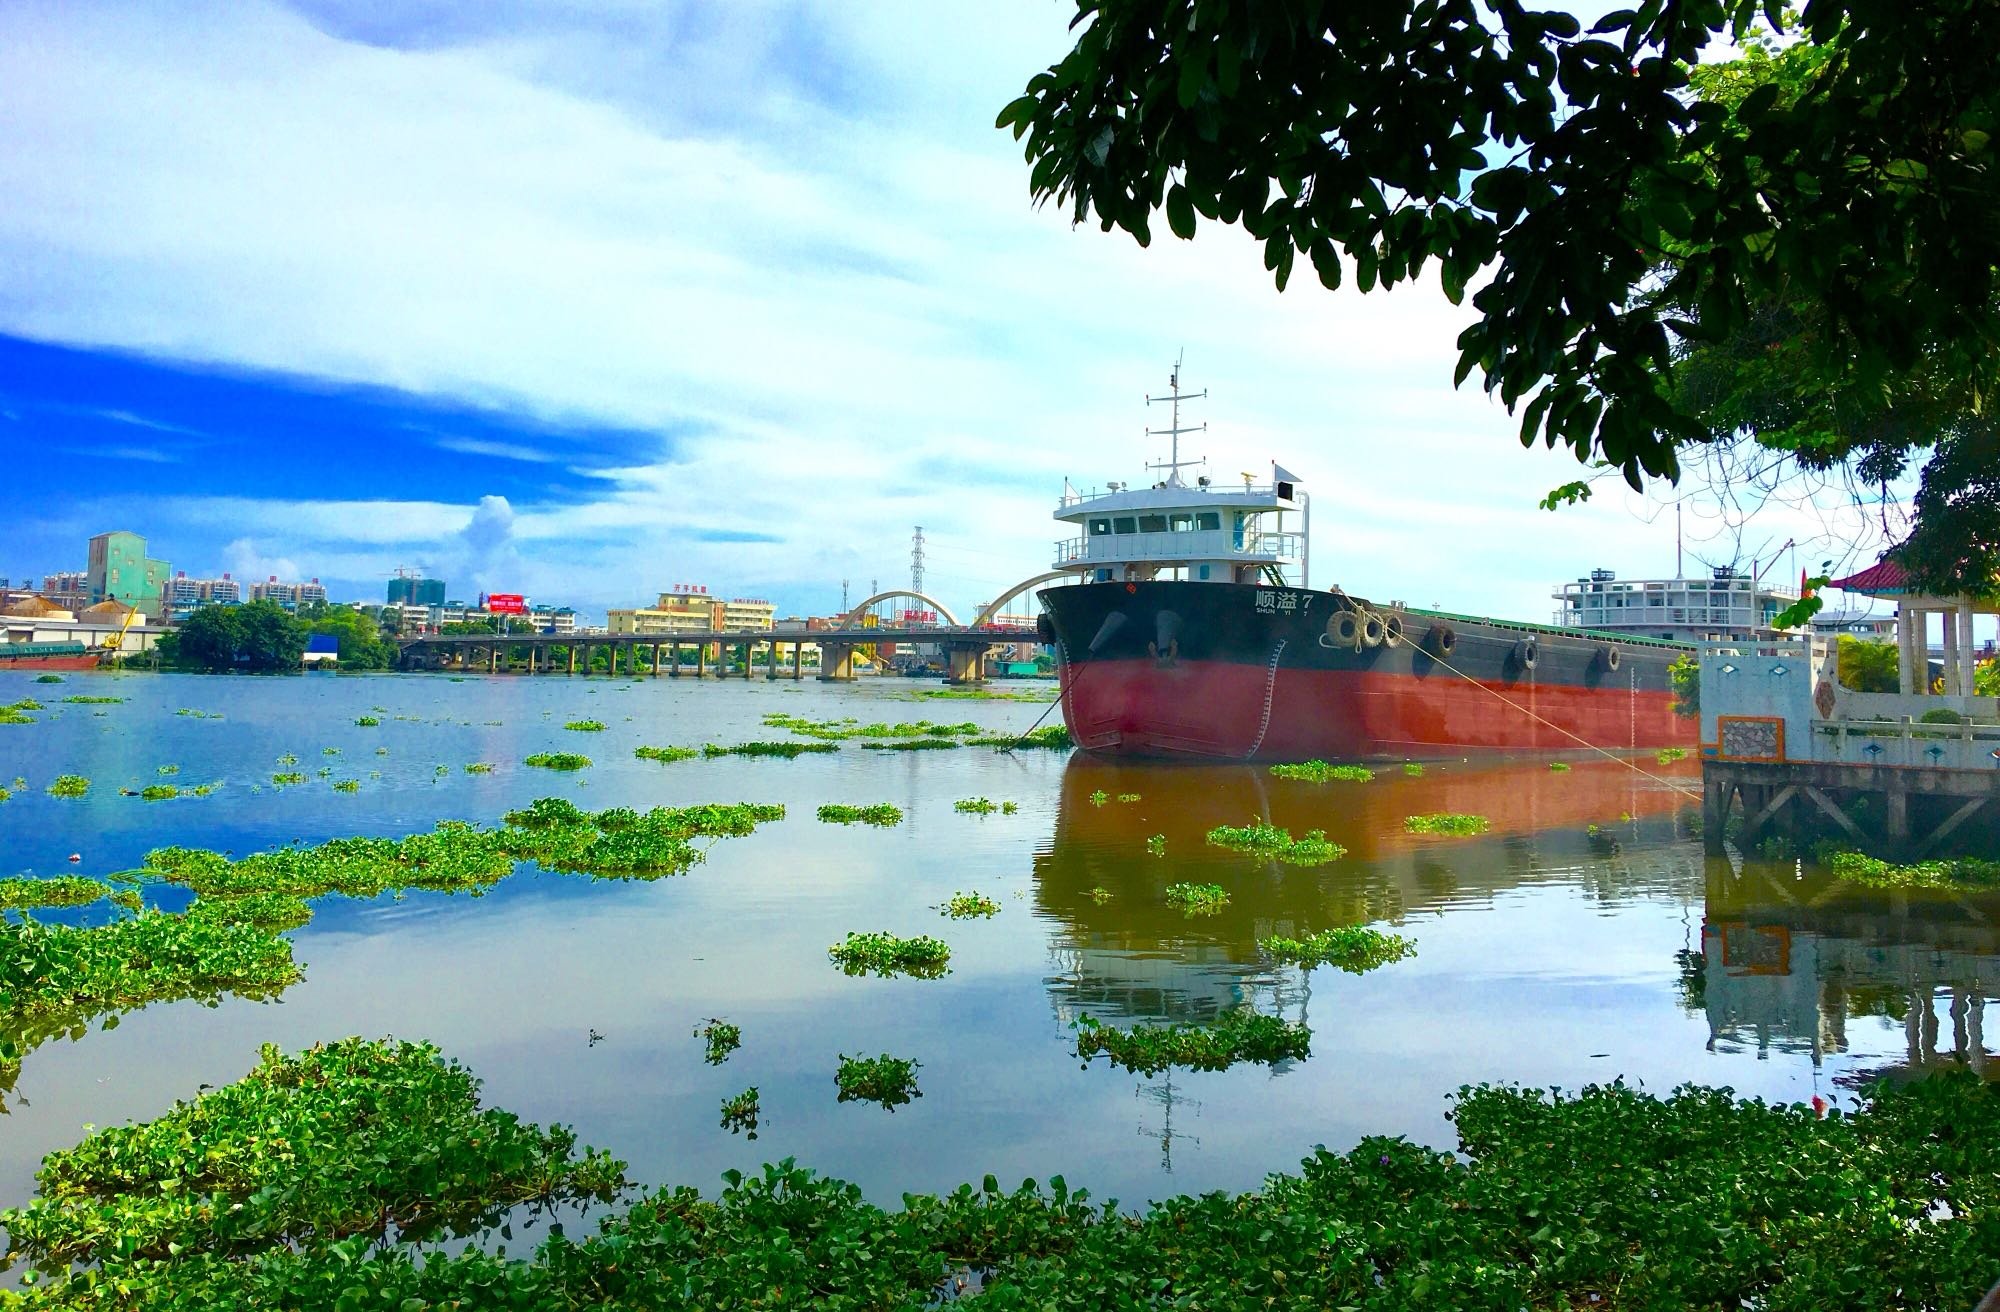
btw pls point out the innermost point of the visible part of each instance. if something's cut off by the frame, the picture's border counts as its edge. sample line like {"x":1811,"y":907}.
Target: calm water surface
{"x":1584,"y":938}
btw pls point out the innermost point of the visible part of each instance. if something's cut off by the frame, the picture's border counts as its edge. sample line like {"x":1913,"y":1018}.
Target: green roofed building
{"x":120,"y":571}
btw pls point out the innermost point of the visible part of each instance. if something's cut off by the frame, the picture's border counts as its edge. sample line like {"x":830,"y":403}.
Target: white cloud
{"x":821,"y":273}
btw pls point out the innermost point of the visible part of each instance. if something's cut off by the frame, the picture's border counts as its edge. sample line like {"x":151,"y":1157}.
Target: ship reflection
{"x":1123,"y":953}
{"x":1793,"y":960}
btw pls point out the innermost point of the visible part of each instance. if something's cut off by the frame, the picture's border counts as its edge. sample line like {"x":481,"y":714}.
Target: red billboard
{"x":506,"y":603}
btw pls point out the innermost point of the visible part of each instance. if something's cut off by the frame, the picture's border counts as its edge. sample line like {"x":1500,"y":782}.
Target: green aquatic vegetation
{"x":1609,"y":1197}
{"x":722,"y":1039}
{"x":167,"y":769}
{"x":49,"y":678}
{"x":81,"y":700}
{"x":557,"y":761}
{"x":1099,"y":797}
{"x":665,"y":754}
{"x":1129,"y":797}
{"x":740,"y":1113}
{"x":324,"y":772}
{"x":1156,"y":845}
{"x":1319,"y":772}
{"x":5,"y":794}
{"x":273,"y":912}
{"x":288,"y":777}
{"x":1413,"y":769}
{"x":25,"y":893}
{"x":440,"y":771}
{"x":17,"y":712}
{"x":287,"y":759}
{"x":1234,"y":1037}
{"x":1559,"y":767}
{"x":547,"y":812}
{"x":381,"y":751}
{"x":976,"y":806}
{"x":1197,"y":899}
{"x":881,"y":813}
{"x":1356,"y":949}
{"x":834,"y":730}
{"x":1099,"y":895}
{"x":885,"y":954}
{"x":1446,"y":822}
{"x":889,"y":1082}
{"x":193,"y":714}
{"x":69,"y":785}
{"x":159,"y":792}
{"x":1957,"y":872}
{"x":965,"y":906}
{"x":352,"y":1139}
{"x":585,"y":726}
{"x":980,"y":695}
{"x":347,"y":785}
{"x":478,"y":767}
{"x":367,"y":721}
{"x":784,"y":750}
{"x":912,"y":745}
{"x":1668,"y":755}
{"x":1053,"y":737}
{"x":1313,"y":848}
{"x":329,"y":751}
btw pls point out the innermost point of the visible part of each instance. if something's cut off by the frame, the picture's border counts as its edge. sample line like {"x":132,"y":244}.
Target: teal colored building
{"x":121,"y":571}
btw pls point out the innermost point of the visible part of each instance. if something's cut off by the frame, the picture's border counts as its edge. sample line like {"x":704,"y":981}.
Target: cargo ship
{"x":1185,"y":635}
{"x":46,"y":656}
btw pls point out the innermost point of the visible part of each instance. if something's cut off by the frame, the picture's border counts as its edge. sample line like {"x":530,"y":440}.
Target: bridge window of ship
{"x":1125,"y":524}
{"x":1208,"y":520}
{"x":1152,"y":523}
{"x":1183,"y":523}
{"x":1099,"y":527}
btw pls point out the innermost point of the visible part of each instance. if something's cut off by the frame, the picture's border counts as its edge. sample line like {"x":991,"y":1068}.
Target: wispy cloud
{"x":144,"y":454}
{"x":475,"y":446}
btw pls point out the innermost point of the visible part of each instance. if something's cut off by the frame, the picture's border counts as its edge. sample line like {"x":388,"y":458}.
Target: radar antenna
{"x":1173,"y":431}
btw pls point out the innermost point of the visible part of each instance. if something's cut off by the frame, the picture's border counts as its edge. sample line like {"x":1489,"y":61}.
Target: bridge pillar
{"x":493,"y":659}
{"x":700,"y":659}
{"x":572,"y":658}
{"x":798,"y":661}
{"x":836,"y":662}
{"x":656,"y":660}
{"x":967,"y":665}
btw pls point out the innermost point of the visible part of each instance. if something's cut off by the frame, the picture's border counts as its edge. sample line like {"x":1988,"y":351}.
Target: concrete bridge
{"x":965,"y":645}
{"x":667,"y":653}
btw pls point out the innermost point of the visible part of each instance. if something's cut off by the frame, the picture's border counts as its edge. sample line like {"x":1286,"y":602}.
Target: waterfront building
{"x":69,"y":589}
{"x":412,"y":589}
{"x":559,"y":620}
{"x":292,"y":596}
{"x":748,"y":613}
{"x":1727,"y":604}
{"x":120,"y":570}
{"x":688,"y":608}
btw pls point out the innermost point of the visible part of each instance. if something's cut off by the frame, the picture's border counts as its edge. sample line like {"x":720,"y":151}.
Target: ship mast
{"x":1174,"y":429}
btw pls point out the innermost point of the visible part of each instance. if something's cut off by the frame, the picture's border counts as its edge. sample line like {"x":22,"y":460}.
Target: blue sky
{"x":586,"y":300}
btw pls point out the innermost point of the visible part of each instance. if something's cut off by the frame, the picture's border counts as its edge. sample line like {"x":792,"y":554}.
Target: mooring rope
{"x":1540,"y":719}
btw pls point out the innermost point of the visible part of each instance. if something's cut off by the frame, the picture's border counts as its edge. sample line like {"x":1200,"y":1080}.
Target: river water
{"x":1585,"y":937}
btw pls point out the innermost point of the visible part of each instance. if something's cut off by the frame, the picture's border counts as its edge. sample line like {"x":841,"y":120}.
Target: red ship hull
{"x":1215,"y":709}
{"x":86,"y":661}
{"x":1232,"y":671}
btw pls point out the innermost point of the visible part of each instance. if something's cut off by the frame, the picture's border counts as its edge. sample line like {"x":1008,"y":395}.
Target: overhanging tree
{"x":1627,"y":212}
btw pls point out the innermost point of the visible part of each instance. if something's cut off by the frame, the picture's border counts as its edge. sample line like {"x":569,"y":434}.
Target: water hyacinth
{"x":557,"y":761}
{"x":1237,"y":1036}
{"x":26,"y":892}
{"x":1355,"y":949}
{"x":1320,"y":772}
{"x":1313,"y":849}
{"x":888,"y":1082}
{"x":1197,"y":899}
{"x":885,"y":954}
{"x":1446,"y":822}
{"x":69,"y":785}
{"x":881,"y":814}
{"x":967,"y":906}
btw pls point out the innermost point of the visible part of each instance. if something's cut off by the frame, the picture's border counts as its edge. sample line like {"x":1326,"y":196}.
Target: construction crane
{"x":116,"y":642}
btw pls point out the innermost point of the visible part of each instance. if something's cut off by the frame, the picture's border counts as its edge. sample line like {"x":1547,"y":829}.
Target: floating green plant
{"x":49,"y":678}
{"x":721,"y":1038}
{"x":740,"y":1113}
{"x":1356,"y":949}
{"x":69,"y":785}
{"x":275,"y":912}
{"x":1129,"y":797}
{"x":367,"y":721}
{"x":889,"y":1082}
{"x":1099,"y":895}
{"x":976,"y":805}
{"x":26,"y":893}
{"x":288,"y":777}
{"x":1311,"y":849}
{"x":353,"y":1139}
{"x":1054,"y":737}
{"x":478,"y":767}
{"x":1237,"y":1036}
{"x":886,"y":954}
{"x":1099,"y":797}
{"x":1157,"y":845}
{"x":1959,"y":872}
{"x":167,"y":769}
{"x":288,"y":759}
{"x":912,"y":745}
{"x":193,"y":714}
{"x":1414,"y":769}
{"x":94,"y":701}
{"x":347,"y":785}
{"x":1319,"y":772}
{"x":966,"y":906}
{"x":783,"y":750}
{"x":159,"y":792}
{"x":665,"y":754}
{"x":881,"y":813}
{"x":585,"y":726}
{"x":1197,"y":899}
{"x":1446,"y":822}
{"x":1559,"y":767}
{"x":557,"y":761}
{"x":833,"y":730}
{"x":1668,"y":755}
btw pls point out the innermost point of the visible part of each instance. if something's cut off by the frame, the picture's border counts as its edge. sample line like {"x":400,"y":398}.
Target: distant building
{"x":1727,"y":604}
{"x":552,"y":619}
{"x":748,"y":613}
{"x":686,"y":609}
{"x":292,"y":596}
{"x":184,"y":596}
{"x":69,"y":589}
{"x":119,"y":570}
{"x":1855,"y":623}
{"x":415,"y":590}
{"x":312,"y":593}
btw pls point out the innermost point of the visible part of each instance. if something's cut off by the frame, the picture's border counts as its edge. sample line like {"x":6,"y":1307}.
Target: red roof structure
{"x":1884,"y":578}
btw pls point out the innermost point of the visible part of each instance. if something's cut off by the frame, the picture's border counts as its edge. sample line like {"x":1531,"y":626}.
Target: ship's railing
{"x":1202,"y":544}
{"x":1074,"y":498}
